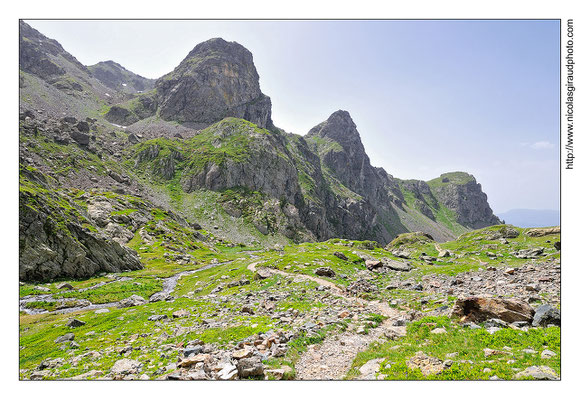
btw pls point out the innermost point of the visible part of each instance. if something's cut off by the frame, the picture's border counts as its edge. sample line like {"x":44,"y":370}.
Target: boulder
{"x":340,"y":255}
{"x":160,"y":296}
{"x":325,"y":271}
{"x":132,"y":301}
{"x":529,"y":253}
{"x":373,"y":264}
{"x":69,"y":337}
{"x":480,"y":308}
{"x":74,"y":323}
{"x":538,"y":372}
{"x":444,"y":253}
{"x":251,"y":366}
{"x":262,"y":273}
{"x":397,"y":265}
{"x":401,"y":254}
{"x":546,"y":315}
{"x":537,"y":232}
{"x":369,"y":370}
{"x":81,"y":138}
{"x":126,"y":366}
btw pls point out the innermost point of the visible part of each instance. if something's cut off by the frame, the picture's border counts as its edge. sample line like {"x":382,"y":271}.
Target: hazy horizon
{"x":428,"y":97}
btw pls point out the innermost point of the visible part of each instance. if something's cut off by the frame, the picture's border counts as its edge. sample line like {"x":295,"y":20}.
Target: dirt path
{"x":331,"y":359}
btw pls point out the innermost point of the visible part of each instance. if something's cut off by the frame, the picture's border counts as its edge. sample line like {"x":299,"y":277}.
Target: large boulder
{"x":479,"y":309}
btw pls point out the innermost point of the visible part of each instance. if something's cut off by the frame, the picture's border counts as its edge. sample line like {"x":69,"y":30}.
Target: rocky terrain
{"x":169,"y":231}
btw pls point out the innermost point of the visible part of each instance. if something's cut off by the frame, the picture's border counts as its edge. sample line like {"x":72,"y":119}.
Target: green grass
{"x":116,"y":291}
{"x":468,"y":344}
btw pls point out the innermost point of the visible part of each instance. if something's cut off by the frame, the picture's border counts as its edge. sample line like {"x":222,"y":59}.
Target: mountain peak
{"x":216,"y":80}
{"x":341,"y":115}
{"x":339,"y":127}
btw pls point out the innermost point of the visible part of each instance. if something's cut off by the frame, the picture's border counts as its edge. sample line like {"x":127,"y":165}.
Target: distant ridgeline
{"x":199,"y":143}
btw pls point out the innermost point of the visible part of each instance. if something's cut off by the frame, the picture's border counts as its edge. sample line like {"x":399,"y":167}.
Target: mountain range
{"x":199,"y":147}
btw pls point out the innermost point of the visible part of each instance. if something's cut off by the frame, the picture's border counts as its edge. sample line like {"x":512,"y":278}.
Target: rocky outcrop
{"x":339,"y":145}
{"x":461,"y":193}
{"x":217,"y":79}
{"x":56,"y":241}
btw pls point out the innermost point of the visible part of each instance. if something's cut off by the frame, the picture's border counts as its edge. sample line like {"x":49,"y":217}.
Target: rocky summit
{"x":170,"y":231}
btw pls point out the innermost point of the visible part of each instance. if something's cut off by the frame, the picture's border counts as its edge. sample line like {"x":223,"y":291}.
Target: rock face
{"x":55,"y":243}
{"x":217,"y":79}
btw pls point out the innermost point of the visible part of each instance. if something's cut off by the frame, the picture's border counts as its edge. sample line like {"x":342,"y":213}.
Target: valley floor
{"x":333,"y":310}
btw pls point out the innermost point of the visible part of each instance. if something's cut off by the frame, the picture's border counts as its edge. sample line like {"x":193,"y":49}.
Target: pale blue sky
{"x":427,"y":96}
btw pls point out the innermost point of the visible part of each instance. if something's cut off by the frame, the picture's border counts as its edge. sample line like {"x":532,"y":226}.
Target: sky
{"x":428,"y":97}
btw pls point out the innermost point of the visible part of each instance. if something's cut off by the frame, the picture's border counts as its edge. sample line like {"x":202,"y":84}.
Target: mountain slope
{"x":202,"y":144}
{"x":116,"y":77}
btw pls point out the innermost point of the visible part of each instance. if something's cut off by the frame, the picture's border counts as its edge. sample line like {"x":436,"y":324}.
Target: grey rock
{"x":65,"y":338}
{"x":251,"y":366}
{"x":545,"y":315}
{"x":191,"y":351}
{"x":541,"y":372}
{"x":74,"y":323}
{"x":217,"y":79}
{"x":157,"y":317}
{"x":126,"y":366}
{"x":132,"y":301}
